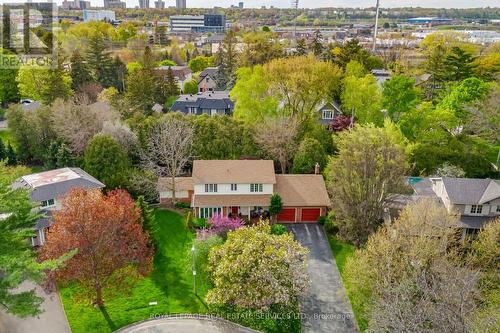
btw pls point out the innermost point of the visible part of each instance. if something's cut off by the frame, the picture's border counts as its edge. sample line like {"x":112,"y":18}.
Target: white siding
{"x":178,"y":194}
{"x":226,"y":189}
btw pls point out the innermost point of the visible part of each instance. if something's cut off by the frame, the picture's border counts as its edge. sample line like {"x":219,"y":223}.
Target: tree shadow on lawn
{"x":108,"y":319}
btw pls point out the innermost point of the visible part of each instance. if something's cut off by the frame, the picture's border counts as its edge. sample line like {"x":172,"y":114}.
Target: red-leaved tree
{"x":340,"y":123}
{"x":107,"y":233}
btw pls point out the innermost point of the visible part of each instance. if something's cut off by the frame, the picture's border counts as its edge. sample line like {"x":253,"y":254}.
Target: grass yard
{"x":342,"y":251}
{"x":170,"y":284}
{"x":5,"y":136}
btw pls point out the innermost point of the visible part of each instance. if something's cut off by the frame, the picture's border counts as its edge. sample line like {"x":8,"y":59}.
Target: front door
{"x":235,"y":210}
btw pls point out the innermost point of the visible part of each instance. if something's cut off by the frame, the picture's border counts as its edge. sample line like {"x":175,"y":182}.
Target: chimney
{"x":316,"y":169}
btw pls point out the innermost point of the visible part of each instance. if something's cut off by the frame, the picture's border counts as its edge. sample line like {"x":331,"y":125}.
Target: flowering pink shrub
{"x":220,"y":225}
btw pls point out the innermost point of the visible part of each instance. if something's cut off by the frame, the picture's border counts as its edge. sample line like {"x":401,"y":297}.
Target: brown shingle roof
{"x":181,"y":184}
{"x":233,"y":171}
{"x":231,"y":200}
{"x":302,"y":190}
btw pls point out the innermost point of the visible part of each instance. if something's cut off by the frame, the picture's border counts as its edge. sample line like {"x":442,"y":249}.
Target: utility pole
{"x":295,"y":5}
{"x":194,"y":269}
{"x":376,"y":27}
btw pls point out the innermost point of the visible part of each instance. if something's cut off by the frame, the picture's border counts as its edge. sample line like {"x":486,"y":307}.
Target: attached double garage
{"x":304,"y":198}
{"x":300,"y":214}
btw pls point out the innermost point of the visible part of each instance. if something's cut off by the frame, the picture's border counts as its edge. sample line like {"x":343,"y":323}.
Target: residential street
{"x":179,"y":324}
{"x":326,"y":308}
{"x":52,"y":320}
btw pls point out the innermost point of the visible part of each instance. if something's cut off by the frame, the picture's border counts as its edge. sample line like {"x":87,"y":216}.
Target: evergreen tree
{"x":51,"y":155}
{"x":3,"y":152}
{"x":64,"y":156}
{"x":149,"y":224}
{"x":144,"y":87}
{"x":99,"y":61}
{"x":171,"y":85}
{"x":276,"y":205}
{"x":436,"y":68}
{"x":11,"y":155}
{"x":79,"y":71}
{"x":301,"y":49}
{"x":119,"y":72}
{"x":458,"y":65}
{"x":316,"y":45}
{"x":227,"y":61}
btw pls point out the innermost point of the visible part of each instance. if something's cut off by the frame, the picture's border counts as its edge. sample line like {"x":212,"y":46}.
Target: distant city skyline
{"x":312,"y":3}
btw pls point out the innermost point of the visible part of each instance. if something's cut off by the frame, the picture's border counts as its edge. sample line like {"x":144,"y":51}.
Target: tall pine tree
{"x":99,"y":61}
{"x":80,"y":74}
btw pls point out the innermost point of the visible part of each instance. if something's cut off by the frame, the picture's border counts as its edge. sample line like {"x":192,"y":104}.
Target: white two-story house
{"x":47,"y":187}
{"x":245,"y":187}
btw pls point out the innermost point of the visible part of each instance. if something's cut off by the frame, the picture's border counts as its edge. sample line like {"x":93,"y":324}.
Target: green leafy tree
{"x":275,"y":205}
{"x":106,"y":160}
{"x":245,"y":274}
{"x":370,"y":165}
{"x":43,"y":84}
{"x":361,"y":98}
{"x":260,"y":47}
{"x":199,"y":63}
{"x":399,"y":95}
{"x":8,"y":86}
{"x":79,"y":72}
{"x":191,"y":87}
{"x":310,"y":152}
{"x":18,"y":262}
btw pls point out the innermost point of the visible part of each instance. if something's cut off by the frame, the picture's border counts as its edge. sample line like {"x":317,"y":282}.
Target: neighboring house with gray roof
{"x":208,"y":79}
{"x":328,"y":111}
{"x":476,"y":200}
{"x":210,"y":103}
{"x":47,"y":187}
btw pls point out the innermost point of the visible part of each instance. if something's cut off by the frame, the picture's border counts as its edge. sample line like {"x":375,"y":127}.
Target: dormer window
{"x":210,"y":188}
{"x":48,"y":203}
{"x":476,"y":209}
{"x":327,"y":114}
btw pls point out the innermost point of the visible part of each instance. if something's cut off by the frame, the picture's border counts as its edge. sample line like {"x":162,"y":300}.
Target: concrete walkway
{"x":186,"y":324}
{"x":326,"y":307}
{"x":51,"y":320}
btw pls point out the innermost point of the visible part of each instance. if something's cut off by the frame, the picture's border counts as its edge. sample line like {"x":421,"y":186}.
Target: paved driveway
{"x":52,"y":320}
{"x":186,"y":324}
{"x":326,"y":307}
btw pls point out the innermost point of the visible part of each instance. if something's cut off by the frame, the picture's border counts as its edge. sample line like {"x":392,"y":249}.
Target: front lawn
{"x":342,"y":251}
{"x":170,"y":284}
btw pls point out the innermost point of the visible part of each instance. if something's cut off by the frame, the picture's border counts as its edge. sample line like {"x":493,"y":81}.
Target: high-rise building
{"x":241,"y":4}
{"x":114,"y":4}
{"x":75,"y":4}
{"x":160,"y":4}
{"x":143,"y":4}
{"x":98,"y":15}
{"x":180,"y":4}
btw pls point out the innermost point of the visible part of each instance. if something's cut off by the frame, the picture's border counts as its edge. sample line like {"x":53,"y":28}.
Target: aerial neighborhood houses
{"x":210,"y":102}
{"x":46,"y":189}
{"x":477,"y":201}
{"x":208,"y":79}
{"x":244,"y":188}
{"x":182,"y":74}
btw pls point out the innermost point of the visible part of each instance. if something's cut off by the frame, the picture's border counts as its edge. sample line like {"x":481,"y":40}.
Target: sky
{"x":316,"y":3}
{"x":347,"y":3}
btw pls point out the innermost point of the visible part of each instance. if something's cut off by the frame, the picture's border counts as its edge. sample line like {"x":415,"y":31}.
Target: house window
{"x":476,"y":209}
{"x":327,"y":114}
{"x":256,"y":188}
{"x":234,"y":187}
{"x":210,"y":188}
{"x":208,"y":212}
{"x":48,"y":203}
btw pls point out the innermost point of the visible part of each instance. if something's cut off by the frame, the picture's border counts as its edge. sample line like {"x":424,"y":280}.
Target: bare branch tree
{"x":169,"y":149}
{"x":277,"y":138}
